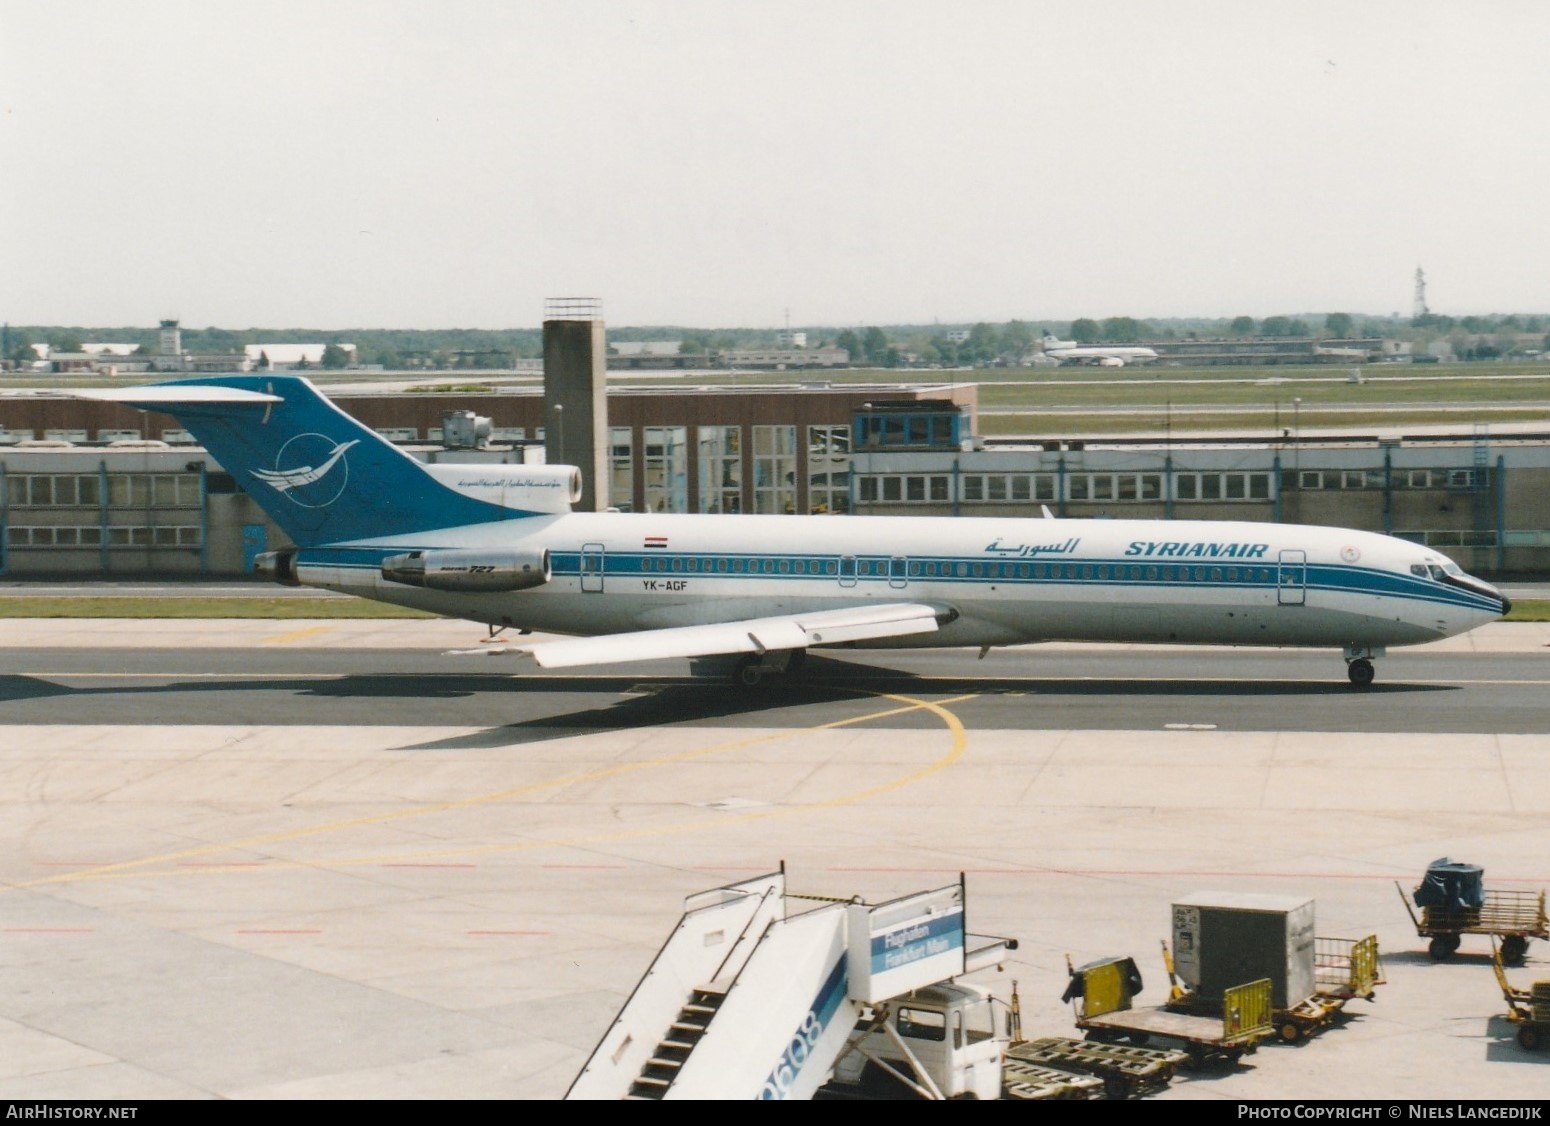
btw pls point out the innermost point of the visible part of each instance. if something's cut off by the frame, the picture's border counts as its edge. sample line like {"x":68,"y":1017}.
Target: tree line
{"x":883,"y":346}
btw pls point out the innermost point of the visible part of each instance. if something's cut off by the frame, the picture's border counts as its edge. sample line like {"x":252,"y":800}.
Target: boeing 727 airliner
{"x":499,"y":544}
{"x":1103,"y":355}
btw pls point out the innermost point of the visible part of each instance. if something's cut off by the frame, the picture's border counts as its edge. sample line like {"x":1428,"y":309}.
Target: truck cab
{"x":943,"y":1041}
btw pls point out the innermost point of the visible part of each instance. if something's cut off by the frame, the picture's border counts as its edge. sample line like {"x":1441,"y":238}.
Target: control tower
{"x":576,"y":394}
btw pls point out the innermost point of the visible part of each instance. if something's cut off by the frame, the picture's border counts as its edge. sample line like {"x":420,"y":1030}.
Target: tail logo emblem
{"x":305,"y":470}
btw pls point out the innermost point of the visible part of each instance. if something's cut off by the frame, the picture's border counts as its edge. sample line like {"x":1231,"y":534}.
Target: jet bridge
{"x":756,"y":991}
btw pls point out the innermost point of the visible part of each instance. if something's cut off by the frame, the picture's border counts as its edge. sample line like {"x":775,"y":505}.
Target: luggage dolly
{"x":1512,"y":916}
{"x":1343,"y":969}
{"x":1529,"y":1009}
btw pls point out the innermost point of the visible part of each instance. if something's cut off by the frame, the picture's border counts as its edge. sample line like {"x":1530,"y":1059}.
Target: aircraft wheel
{"x":747,"y":673}
{"x":1360,"y":671}
{"x":1514,"y":946}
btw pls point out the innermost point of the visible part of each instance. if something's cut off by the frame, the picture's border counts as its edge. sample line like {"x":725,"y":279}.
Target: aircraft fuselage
{"x":997,"y":581}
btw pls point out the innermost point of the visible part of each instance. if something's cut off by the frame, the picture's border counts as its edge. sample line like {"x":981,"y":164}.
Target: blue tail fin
{"x":320,"y":474}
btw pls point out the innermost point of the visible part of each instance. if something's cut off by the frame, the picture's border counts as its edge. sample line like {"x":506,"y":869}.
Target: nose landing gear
{"x":1361,"y":672}
{"x":1358,"y":664}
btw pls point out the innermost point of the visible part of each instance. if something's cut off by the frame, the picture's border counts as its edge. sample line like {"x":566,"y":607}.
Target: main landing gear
{"x":1358,"y":664}
{"x":783,"y":665}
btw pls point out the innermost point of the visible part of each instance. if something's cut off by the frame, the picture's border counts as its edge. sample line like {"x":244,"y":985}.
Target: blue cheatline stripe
{"x":798,"y":1052}
{"x":873,"y":569}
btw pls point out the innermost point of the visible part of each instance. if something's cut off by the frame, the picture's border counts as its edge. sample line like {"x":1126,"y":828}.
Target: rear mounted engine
{"x":278,"y":567}
{"x":480,"y":571}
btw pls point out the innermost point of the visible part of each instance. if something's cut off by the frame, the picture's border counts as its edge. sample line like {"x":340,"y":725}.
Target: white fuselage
{"x":997,"y":581}
{"x":1112,"y":357}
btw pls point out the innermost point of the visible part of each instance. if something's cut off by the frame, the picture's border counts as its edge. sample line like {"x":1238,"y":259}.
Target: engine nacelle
{"x":277,"y":566}
{"x":469,"y":570}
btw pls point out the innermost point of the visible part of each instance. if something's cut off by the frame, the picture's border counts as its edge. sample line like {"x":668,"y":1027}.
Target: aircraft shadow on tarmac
{"x":652,"y":700}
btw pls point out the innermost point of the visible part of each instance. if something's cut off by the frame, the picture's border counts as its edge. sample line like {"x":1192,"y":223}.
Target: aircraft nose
{"x":1506,"y":603}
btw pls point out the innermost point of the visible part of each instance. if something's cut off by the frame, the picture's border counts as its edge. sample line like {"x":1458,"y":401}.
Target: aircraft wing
{"x":752,"y":635}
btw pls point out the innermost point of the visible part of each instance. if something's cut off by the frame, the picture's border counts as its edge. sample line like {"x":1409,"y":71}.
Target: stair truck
{"x":758,"y":992}
{"x":1454,"y":901}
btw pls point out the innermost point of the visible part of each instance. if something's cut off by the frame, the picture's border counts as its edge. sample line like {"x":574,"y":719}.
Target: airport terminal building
{"x":100,"y":490}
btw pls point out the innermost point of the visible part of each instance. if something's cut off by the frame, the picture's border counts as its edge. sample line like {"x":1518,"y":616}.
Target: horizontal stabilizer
{"x":755,"y":635}
{"x":163,"y":394}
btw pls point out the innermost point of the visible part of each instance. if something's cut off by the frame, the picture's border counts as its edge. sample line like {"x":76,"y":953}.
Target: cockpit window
{"x":1437,"y":572}
{"x":1418,"y":570}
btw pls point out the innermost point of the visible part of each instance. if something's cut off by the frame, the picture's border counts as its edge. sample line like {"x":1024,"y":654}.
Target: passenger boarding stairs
{"x":755,"y":996}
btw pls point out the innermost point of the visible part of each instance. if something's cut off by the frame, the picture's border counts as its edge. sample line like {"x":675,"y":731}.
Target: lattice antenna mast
{"x":1420,"y":293}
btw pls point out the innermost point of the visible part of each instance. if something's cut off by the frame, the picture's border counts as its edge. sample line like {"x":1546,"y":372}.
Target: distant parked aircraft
{"x":1103,"y":355}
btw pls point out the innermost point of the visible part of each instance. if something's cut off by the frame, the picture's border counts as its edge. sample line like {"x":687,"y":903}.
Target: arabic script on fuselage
{"x":1023,"y":550}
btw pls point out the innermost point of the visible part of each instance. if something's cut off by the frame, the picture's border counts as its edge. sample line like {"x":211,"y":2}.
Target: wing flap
{"x":754,"y":635}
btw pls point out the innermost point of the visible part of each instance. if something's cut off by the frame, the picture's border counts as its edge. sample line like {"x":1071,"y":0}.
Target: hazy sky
{"x":452,"y":163}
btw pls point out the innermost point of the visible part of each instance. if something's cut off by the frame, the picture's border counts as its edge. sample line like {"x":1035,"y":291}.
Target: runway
{"x":331,"y":862}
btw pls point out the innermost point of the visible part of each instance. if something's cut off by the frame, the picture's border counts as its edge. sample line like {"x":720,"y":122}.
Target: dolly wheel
{"x":1441,"y":947}
{"x":1514,"y":946}
{"x":1140,"y":1039}
{"x":1289,"y":1032}
{"x":1528,"y":1037}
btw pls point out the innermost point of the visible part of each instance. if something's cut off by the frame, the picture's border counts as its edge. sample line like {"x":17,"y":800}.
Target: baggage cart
{"x":1126,"y":1071}
{"x":1343,"y":969}
{"x":1528,"y":1009}
{"x":1102,"y":994}
{"x":1513,"y":917}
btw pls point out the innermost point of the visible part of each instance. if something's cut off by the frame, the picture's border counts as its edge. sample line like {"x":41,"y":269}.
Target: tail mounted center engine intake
{"x":469,"y":570}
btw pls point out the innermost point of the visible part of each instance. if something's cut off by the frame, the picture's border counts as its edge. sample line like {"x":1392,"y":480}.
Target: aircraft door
{"x":847,"y":570}
{"x":898,"y":572}
{"x":1292,"y":578}
{"x":592,"y":568}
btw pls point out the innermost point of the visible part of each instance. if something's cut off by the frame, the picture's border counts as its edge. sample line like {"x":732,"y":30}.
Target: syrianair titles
{"x":500,"y":545}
